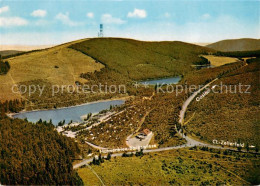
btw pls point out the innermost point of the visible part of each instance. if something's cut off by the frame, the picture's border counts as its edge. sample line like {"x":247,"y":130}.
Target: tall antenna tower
{"x":100,"y":33}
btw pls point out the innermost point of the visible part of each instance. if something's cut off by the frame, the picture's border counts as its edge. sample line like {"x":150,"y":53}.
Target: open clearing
{"x":220,"y":60}
{"x":58,"y":65}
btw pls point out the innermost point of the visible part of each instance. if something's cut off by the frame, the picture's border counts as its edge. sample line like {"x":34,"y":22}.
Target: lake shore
{"x":93,"y":102}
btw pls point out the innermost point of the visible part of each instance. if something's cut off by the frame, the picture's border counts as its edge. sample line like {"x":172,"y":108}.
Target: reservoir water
{"x":171,"y":80}
{"x":69,"y":113}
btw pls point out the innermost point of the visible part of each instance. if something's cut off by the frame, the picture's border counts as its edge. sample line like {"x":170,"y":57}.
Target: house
{"x":146,"y":131}
{"x":142,"y":135}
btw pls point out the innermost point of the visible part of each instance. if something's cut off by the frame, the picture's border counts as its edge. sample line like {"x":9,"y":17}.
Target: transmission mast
{"x":100,"y":33}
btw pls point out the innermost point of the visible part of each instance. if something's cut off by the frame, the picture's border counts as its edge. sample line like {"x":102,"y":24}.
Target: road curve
{"x":190,"y":141}
{"x":188,"y":101}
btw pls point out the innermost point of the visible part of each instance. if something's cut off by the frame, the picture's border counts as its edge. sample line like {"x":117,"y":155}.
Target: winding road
{"x":188,"y":101}
{"x":190,"y":141}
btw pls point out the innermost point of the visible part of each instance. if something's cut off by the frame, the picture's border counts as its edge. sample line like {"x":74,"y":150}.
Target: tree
{"x":7,"y":65}
{"x":247,"y":147}
{"x":239,"y":148}
{"x":40,"y":121}
{"x":140,"y":153}
{"x":4,"y":67}
{"x":60,"y":124}
{"x":109,"y":156}
{"x":155,"y":87}
{"x":100,"y":159}
{"x":94,"y":161}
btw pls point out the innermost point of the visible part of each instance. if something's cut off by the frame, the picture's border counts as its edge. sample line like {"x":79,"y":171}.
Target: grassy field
{"x":58,"y":65}
{"x":220,"y":60}
{"x":184,"y":166}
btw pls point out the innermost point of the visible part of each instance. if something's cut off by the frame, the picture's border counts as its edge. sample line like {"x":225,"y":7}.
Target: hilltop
{"x":98,"y":60}
{"x":142,"y":60}
{"x":231,"y":45}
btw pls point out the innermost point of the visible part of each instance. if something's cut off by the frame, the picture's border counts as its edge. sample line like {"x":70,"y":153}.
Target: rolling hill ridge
{"x":232,"y":45}
{"x":111,"y":60}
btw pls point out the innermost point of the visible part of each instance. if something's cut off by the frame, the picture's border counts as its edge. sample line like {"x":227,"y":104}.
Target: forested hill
{"x":231,"y":114}
{"x":111,"y":60}
{"x":232,"y":45}
{"x":141,"y":60}
{"x":35,"y":154}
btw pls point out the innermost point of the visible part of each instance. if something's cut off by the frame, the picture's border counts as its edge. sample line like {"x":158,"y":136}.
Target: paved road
{"x":190,"y":142}
{"x":188,"y":101}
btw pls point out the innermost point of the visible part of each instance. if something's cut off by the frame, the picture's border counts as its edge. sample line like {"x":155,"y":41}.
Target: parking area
{"x":139,"y":140}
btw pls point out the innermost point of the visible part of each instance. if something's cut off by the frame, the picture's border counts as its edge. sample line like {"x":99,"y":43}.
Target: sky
{"x":48,"y":22}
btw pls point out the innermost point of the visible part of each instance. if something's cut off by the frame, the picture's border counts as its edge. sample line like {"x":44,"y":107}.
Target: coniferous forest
{"x":35,"y":154}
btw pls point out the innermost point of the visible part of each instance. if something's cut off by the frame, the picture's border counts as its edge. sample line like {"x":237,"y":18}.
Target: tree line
{"x":4,"y":66}
{"x":239,"y":54}
{"x":15,"y":105}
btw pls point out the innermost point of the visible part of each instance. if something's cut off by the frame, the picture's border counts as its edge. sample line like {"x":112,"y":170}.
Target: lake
{"x":69,"y":113}
{"x":171,"y":80}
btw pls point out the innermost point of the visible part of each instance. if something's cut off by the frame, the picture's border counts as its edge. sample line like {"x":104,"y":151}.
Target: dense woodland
{"x":4,"y":66}
{"x":202,"y":61}
{"x":11,"y":106}
{"x":35,"y":154}
{"x":137,"y":60}
{"x":230,"y":116}
{"x":240,"y":54}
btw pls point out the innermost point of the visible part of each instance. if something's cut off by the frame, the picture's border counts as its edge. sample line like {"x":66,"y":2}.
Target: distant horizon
{"x":14,"y":46}
{"x":26,"y":22}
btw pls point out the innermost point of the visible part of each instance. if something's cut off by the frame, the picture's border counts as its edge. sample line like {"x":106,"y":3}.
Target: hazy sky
{"x":35,"y":22}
